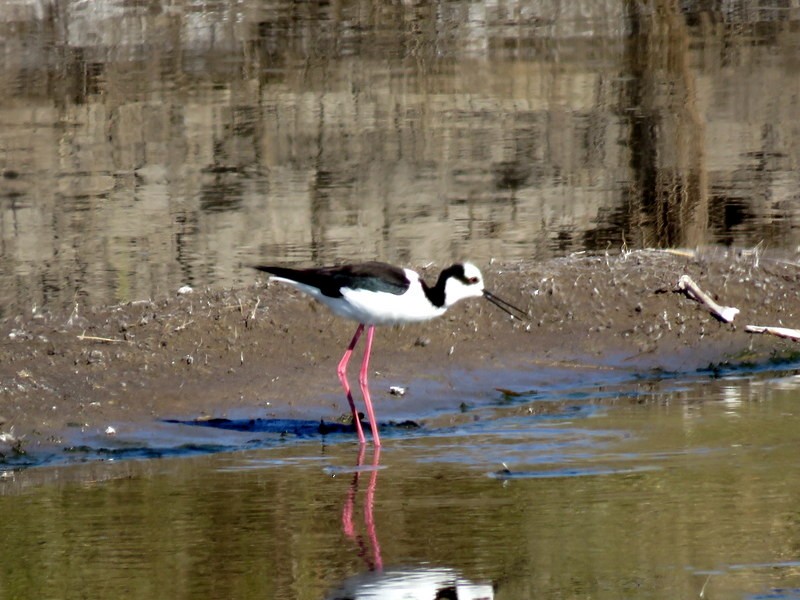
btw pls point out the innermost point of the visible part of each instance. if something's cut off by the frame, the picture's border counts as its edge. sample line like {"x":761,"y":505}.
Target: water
{"x":144,"y":146}
{"x":690,"y":487}
{"x":148,"y":145}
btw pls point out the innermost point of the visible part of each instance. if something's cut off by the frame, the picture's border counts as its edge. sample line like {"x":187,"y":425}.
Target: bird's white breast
{"x":377,"y":308}
{"x":381,"y":308}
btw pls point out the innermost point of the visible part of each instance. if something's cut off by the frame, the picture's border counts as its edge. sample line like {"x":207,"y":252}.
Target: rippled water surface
{"x":148,"y":145}
{"x":667,"y":490}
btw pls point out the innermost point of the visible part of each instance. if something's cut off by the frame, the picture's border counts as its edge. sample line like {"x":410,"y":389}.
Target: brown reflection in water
{"x":147,"y":146}
{"x":668,"y":199}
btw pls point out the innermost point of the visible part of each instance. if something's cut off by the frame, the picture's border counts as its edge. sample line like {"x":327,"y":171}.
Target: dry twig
{"x":184,"y":326}
{"x":255,"y":308}
{"x":93,"y":338}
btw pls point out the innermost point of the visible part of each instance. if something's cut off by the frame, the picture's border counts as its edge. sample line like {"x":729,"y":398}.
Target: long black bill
{"x":506,"y":307}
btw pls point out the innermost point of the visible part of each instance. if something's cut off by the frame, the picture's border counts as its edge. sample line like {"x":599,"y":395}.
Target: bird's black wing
{"x":372,"y":276}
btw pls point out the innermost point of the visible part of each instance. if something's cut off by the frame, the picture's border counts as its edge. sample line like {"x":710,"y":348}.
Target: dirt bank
{"x":269,"y":351}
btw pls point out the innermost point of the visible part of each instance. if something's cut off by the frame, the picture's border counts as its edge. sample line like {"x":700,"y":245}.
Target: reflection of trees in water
{"x":672,"y":199}
{"x":666,"y":203}
{"x":407,"y":131}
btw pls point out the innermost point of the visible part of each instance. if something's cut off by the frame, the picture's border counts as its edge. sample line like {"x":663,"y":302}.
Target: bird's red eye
{"x":472,"y":280}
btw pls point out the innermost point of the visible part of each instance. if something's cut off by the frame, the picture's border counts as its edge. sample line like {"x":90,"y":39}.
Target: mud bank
{"x":268,"y":351}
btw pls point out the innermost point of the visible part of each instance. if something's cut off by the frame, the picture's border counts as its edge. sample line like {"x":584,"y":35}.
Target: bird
{"x":376,"y":293}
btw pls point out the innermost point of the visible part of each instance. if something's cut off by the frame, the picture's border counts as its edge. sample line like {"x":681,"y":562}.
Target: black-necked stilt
{"x":375,"y":293}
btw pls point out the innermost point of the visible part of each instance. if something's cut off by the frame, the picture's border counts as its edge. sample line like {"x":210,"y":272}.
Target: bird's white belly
{"x":380,"y":308}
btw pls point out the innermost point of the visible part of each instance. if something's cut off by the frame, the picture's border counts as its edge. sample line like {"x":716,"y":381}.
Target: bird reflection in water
{"x":412,"y":583}
{"x":376,"y":562}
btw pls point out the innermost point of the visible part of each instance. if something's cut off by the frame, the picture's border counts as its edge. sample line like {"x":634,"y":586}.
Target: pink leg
{"x":362,"y":379}
{"x":347,"y":512}
{"x":369,"y":518}
{"x":342,"y":372}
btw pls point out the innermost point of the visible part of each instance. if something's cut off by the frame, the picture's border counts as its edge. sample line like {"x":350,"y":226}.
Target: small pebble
{"x":185,"y":289}
{"x":110,"y":430}
{"x":397,"y":390}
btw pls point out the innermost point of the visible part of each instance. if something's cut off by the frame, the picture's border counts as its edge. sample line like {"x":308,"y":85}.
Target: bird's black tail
{"x":315,"y":278}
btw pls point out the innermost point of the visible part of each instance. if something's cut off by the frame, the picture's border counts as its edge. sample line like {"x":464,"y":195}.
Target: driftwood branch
{"x":783,"y":332}
{"x":693,"y":291}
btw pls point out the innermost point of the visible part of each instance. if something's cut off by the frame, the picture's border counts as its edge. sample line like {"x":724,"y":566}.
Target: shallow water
{"x":668,"y":490}
{"x":145,"y":146}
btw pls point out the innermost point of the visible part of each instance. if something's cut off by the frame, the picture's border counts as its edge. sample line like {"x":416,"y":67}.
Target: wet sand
{"x":266,"y":350}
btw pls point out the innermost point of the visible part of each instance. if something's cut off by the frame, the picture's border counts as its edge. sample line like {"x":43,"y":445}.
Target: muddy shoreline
{"x":267,"y":351}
